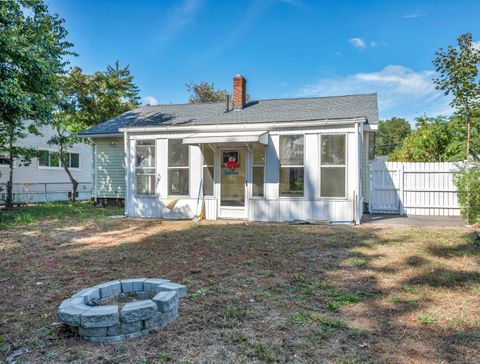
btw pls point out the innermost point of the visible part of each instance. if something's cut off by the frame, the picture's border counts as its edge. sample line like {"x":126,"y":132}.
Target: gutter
{"x":246,"y":126}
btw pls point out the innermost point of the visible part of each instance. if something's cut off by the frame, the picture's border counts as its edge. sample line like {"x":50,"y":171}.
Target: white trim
{"x":227,"y":137}
{"x":247,"y":126}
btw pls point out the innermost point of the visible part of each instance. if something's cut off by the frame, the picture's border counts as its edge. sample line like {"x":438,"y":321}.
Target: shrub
{"x":467,"y":182}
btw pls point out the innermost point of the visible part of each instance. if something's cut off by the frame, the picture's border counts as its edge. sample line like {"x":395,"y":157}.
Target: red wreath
{"x":231,"y":163}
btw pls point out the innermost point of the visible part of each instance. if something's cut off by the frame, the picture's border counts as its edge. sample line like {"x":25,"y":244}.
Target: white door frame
{"x":232,"y":212}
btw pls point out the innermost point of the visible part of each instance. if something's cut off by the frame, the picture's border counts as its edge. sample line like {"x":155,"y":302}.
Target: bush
{"x":467,"y":182}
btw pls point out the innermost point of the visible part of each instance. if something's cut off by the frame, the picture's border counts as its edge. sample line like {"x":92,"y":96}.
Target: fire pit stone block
{"x":132,"y":285}
{"x":100,"y":316}
{"x":138,"y":310}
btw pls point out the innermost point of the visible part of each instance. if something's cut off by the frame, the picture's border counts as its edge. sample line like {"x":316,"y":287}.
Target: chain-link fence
{"x":45,"y":192}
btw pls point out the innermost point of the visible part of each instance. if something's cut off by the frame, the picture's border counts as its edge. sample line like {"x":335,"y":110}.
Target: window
{"x":333,"y":166}
{"x":291,"y":165}
{"x":73,"y":160}
{"x":258,"y":169}
{"x":4,"y":159}
{"x":177,"y":168}
{"x":145,"y":167}
{"x":208,"y":163}
{"x":47,"y":158}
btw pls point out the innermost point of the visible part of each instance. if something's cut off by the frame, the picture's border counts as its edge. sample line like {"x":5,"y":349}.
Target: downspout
{"x":127,"y":172}
{"x":356,"y":193}
{"x":94,"y":163}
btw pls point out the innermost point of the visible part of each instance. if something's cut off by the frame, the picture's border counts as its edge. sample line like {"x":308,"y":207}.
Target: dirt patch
{"x":258,"y":292}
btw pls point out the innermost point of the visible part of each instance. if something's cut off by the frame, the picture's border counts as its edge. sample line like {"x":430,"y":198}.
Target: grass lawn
{"x":258,"y":292}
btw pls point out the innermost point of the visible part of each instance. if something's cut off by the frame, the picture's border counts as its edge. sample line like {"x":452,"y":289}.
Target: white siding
{"x":269,"y":208}
{"x":55,"y":177}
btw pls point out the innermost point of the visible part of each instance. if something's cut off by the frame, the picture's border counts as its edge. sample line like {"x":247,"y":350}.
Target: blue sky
{"x":285,"y":48}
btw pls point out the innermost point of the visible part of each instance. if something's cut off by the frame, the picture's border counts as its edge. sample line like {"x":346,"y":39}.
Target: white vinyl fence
{"x":413,"y":188}
{"x":45,"y":192}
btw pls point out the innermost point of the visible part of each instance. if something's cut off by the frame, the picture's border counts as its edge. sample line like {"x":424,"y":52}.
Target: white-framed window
{"x":4,"y":159}
{"x":333,"y":168}
{"x":145,"y":170}
{"x":208,"y":170}
{"x":291,"y":165}
{"x":258,"y":172}
{"x":178,"y":171}
{"x":48,"y":158}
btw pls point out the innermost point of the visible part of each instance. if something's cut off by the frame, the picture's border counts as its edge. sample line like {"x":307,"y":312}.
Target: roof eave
{"x":106,"y":135}
{"x":247,"y":126}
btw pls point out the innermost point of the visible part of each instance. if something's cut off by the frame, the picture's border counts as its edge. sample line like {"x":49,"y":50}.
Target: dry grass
{"x":258,"y":292}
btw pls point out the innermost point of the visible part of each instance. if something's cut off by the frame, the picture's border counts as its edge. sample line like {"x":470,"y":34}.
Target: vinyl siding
{"x":110,"y":168}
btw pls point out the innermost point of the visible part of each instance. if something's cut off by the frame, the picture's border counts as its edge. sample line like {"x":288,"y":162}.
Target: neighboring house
{"x":266,"y":160}
{"x":44,"y":179}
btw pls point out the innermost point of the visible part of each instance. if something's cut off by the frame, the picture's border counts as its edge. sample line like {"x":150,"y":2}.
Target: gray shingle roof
{"x":276,"y":110}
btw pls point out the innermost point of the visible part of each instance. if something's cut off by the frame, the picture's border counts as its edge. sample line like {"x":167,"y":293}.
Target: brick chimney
{"x":239,"y":92}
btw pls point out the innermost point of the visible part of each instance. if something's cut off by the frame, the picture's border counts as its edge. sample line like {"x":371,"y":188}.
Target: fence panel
{"x":45,"y":192}
{"x":414,"y":188}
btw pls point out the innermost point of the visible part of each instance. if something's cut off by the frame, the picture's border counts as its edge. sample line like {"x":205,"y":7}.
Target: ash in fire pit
{"x":118,"y":310}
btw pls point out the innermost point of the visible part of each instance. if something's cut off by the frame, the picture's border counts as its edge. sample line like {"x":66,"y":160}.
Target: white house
{"x":44,"y":179}
{"x":265,"y":160}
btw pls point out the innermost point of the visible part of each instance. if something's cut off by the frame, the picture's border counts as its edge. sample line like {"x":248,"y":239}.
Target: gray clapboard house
{"x":44,"y":179}
{"x":265,"y":160}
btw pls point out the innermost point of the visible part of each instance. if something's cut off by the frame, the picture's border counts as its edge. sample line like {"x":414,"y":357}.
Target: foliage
{"x":32,"y":48}
{"x":438,"y":139}
{"x":390,"y":135}
{"x":92,"y":99}
{"x":457,"y":69}
{"x":204,"y":92}
{"x":86,"y":100}
{"x":467,"y":182}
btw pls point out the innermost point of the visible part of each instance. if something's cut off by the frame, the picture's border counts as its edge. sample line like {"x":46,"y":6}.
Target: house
{"x":265,"y":160}
{"x":44,"y":179}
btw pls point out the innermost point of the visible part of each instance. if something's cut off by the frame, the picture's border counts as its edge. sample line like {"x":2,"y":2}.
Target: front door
{"x":233,"y":183}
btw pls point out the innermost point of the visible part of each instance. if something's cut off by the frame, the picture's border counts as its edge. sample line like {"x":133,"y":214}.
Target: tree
{"x":467,"y":182}
{"x":205,"y":92}
{"x":458,"y":75}
{"x":436,"y":139}
{"x":32,"y":47}
{"x":86,"y":100}
{"x":103,"y":95}
{"x":390,"y":135}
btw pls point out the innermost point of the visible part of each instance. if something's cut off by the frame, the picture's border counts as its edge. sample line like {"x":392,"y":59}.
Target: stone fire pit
{"x":143,"y":305}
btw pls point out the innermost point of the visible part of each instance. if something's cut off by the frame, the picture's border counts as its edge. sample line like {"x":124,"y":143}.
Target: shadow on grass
{"x":282,"y":287}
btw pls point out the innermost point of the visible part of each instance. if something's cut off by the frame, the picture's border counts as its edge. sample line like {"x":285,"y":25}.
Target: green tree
{"x":457,"y":69}
{"x":467,"y":182}
{"x":86,"y":100}
{"x":103,"y":95}
{"x":205,"y":92}
{"x":438,"y":139}
{"x":32,"y":49}
{"x":390,"y":135}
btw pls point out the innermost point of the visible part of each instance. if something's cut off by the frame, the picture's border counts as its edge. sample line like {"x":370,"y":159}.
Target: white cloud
{"x":374,"y":44}
{"x":149,"y":100}
{"x":413,"y":15}
{"x":177,"y":19}
{"x":358,"y":42}
{"x":401,"y":91}
{"x":476,"y":45}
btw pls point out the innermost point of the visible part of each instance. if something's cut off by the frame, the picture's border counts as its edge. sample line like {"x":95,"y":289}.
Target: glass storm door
{"x":232,"y":186}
